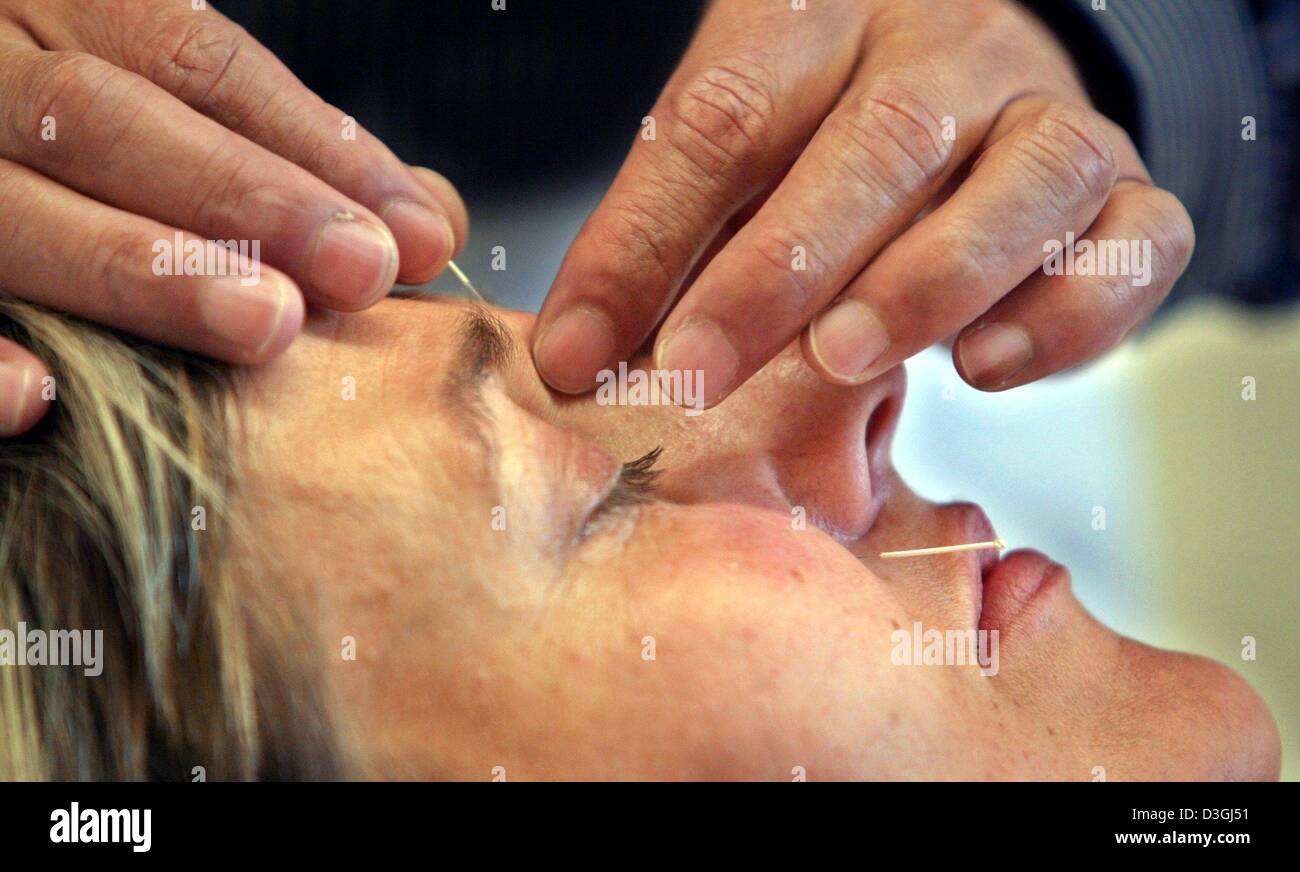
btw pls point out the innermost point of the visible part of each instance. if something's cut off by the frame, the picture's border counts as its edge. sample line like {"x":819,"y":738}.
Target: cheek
{"x":756,"y":576}
{"x":778,"y":550}
{"x":770,"y":646}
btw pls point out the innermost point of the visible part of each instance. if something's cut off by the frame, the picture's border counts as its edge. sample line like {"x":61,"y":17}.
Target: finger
{"x":113,"y":270}
{"x":13,"y":34}
{"x":1142,"y":241}
{"x":123,"y":141}
{"x":449,"y":198}
{"x":1051,"y":174}
{"x":22,"y":389}
{"x":730,"y":228}
{"x":907,"y":123}
{"x":214,"y":65}
{"x":884,"y":152}
{"x":735,"y":112}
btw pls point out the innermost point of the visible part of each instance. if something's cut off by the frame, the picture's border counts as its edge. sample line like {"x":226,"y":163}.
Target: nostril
{"x":880,"y":425}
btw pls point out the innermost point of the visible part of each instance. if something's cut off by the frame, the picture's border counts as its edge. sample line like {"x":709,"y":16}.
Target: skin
{"x":167,"y":119}
{"x":873,"y":177}
{"x":822,"y":130}
{"x":524,"y":647}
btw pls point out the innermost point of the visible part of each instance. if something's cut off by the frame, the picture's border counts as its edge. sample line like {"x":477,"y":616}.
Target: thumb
{"x":22,"y":383}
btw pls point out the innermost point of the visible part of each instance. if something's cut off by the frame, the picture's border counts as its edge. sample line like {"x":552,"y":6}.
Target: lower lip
{"x":1017,"y":583}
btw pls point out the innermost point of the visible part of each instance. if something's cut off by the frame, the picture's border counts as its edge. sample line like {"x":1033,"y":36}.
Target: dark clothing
{"x":493,"y":99}
{"x":489,"y":99}
{"x":1181,"y":76}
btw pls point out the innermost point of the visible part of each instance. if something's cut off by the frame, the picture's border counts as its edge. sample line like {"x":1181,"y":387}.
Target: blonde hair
{"x":115,"y":515}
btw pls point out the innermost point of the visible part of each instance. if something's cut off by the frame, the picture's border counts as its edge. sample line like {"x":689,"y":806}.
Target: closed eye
{"x":635,"y":485}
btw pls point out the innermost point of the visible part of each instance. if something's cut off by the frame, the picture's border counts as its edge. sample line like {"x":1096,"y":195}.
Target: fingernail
{"x":992,"y":354}
{"x":15,"y":387}
{"x":249,"y":317}
{"x":353,"y":263}
{"x":701,"y":346}
{"x":847,"y":339}
{"x":424,"y":238}
{"x":574,"y":348}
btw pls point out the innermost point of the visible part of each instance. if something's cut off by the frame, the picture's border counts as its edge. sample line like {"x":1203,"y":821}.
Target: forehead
{"x":417,"y":339}
{"x":408,"y":323}
{"x":352,"y":384}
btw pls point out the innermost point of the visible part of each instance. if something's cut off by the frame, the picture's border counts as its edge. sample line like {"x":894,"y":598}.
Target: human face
{"x":448,"y":519}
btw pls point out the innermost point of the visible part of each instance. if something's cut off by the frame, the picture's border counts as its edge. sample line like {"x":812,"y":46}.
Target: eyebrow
{"x":484,"y":346}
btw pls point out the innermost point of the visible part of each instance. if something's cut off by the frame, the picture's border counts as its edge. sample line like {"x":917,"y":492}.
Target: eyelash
{"x":635,"y":485}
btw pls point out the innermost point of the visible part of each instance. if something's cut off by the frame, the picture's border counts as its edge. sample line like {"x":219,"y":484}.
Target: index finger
{"x":732,"y":117}
{"x":215,"y":66}
{"x":880,"y":156}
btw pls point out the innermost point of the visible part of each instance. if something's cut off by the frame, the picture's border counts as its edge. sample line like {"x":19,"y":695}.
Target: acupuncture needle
{"x":946,"y":549}
{"x":464,"y":280}
{"x":913,"y":552}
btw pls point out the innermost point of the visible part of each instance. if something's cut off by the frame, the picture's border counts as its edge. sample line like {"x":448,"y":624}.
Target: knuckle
{"x":210,"y":200}
{"x":1090,"y":313}
{"x":14,"y":199}
{"x":899,"y":117}
{"x":795,"y":291}
{"x":894,"y":130}
{"x":194,"y":57}
{"x":1004,"y":28}
{"x":1106,"y":318}
{"x":1071,"y":153}
{"x":1102,"y":317}
{"x":237,"y":192}
{"x":970,"y":258}
{"x":1169,"y":227}
{"x":348,"y":166}
{"x":726,"y":111}
{"x":637,"y":236}
{"x":64,"y":84}
{"x":119,"y":260}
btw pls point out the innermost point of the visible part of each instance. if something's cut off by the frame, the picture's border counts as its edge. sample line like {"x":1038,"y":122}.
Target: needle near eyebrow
{"x":946,"y":549}
{"x":464,"y":280}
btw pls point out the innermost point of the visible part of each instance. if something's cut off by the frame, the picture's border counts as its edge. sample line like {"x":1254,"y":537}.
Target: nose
{"x":825,"y":447}
{"x":785,"y":440}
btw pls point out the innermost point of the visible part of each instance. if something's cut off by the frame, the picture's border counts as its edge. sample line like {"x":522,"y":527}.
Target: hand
{"x":124,"y":122}
{"x":877,"y":175}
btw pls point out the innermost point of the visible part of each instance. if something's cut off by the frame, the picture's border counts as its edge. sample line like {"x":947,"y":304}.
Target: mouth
{"x":1003,"y":588}
{"x":998,"y":591}
{"x":1015,"y":584}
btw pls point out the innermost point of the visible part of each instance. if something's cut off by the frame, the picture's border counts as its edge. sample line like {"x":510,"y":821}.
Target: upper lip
{"x":963,"y":523}
{"x":995,"y":587}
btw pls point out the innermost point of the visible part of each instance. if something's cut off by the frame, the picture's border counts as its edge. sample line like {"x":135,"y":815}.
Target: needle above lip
{"x":945,"y":549}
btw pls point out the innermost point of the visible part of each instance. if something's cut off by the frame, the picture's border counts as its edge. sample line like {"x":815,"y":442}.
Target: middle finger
{"x":126,"y":142}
